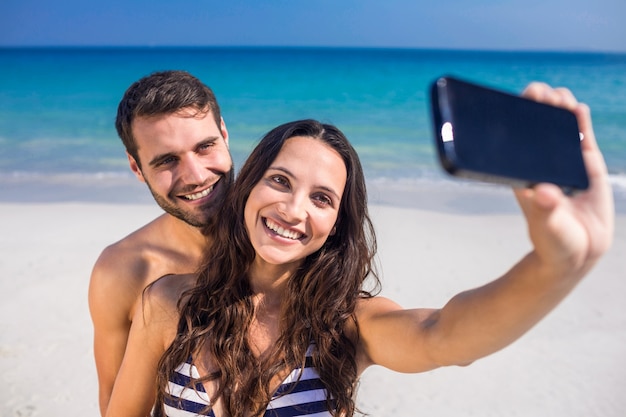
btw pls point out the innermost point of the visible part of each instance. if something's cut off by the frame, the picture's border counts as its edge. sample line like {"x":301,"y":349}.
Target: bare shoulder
{"x":367,"y":311}
{"x":170,"y":288}
{"x":161,"y":298}
{"x":123,"y":270}
{"x":368,"y":308}
{"x":379,"y":307}
{"x":132,"y":255}
{"x":393,"y":337}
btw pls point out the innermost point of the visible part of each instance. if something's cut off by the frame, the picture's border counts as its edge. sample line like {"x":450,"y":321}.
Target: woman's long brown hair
{"x":318,"y":304}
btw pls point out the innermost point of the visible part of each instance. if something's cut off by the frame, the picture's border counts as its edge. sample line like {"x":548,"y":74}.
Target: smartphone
{"x":494,"y":136}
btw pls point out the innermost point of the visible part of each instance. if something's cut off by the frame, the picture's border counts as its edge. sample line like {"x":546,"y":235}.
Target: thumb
{"x":538,"y":200}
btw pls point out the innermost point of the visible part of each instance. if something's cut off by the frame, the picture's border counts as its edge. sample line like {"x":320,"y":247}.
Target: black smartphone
{"x":494,"y":136}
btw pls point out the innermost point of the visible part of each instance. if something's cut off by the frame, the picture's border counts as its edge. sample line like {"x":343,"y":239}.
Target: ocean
{"x":58,"y":105}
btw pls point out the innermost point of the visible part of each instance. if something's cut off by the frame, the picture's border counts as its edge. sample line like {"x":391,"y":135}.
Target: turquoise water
{"x":57,"y":106}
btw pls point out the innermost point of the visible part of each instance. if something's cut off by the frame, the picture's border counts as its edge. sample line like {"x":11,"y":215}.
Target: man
{"x":177,"y":143}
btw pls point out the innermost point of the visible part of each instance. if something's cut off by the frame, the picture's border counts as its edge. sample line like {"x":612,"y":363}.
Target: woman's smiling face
{"x":293,"y":209}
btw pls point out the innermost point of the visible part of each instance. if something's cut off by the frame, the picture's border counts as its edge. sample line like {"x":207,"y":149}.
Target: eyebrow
{"x":323,"y":187}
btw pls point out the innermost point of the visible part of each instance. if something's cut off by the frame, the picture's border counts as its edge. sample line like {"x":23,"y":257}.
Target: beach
{"x":66,"y":192}
{"x":431,"y":246}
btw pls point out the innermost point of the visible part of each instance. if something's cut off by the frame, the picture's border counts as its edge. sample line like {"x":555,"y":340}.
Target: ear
{"x":134,"y":166}
{"x":224,"y":131}
{"x":333,"y":231}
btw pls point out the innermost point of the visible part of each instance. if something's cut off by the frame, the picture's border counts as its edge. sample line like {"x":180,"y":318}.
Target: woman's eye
{"x":280,"y":180}
{"x":324,"y":200}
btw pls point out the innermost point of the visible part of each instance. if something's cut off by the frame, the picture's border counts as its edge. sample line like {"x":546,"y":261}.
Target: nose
{"x":294,"y":208}
{"x":192,"y":170}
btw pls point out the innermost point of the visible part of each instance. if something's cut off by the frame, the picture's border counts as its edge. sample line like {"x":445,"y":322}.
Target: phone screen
{"x":494,"y":136}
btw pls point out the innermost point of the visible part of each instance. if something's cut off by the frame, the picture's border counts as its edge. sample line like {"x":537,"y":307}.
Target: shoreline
{"x":441,"y":194}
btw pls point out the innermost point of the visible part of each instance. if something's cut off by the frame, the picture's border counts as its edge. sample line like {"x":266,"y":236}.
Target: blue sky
{"x":589,"y":25}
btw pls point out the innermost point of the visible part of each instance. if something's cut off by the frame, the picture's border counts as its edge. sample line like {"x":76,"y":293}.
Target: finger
{"x":563,"y":97}
{"x":542,"y":92}
{"x":542,"y":197}
{"x":535,"y":90}
{"x":594,"y":161}
{"x":547,"y":196}
{"x":583,"y":116}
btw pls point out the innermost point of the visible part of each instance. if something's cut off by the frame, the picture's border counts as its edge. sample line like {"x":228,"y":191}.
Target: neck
{"x":269,"y":281}
{"x":268,"y":284}
{"x":187,"y":237}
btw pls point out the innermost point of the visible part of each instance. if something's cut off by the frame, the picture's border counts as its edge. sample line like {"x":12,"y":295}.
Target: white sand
{"x":572,"y":364}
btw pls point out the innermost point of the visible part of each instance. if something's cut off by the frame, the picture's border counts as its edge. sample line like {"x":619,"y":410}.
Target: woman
{"x":279,"y":322}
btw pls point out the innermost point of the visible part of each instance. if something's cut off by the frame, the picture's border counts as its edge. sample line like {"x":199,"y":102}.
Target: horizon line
{"x":329,"y":47}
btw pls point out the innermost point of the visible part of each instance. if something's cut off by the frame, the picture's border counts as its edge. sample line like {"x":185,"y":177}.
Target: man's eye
{"x":205,"y":146}
{"x":166,"y":161}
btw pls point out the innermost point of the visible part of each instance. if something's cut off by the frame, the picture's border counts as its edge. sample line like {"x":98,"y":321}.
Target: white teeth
{"x":289,"y":234}
{"x":201,"y":194}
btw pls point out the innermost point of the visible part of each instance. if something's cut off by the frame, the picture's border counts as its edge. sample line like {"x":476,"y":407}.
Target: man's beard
{"x":206,"y":214}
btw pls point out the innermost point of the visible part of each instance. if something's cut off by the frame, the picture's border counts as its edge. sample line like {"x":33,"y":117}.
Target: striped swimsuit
{"x":307,"y":397}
